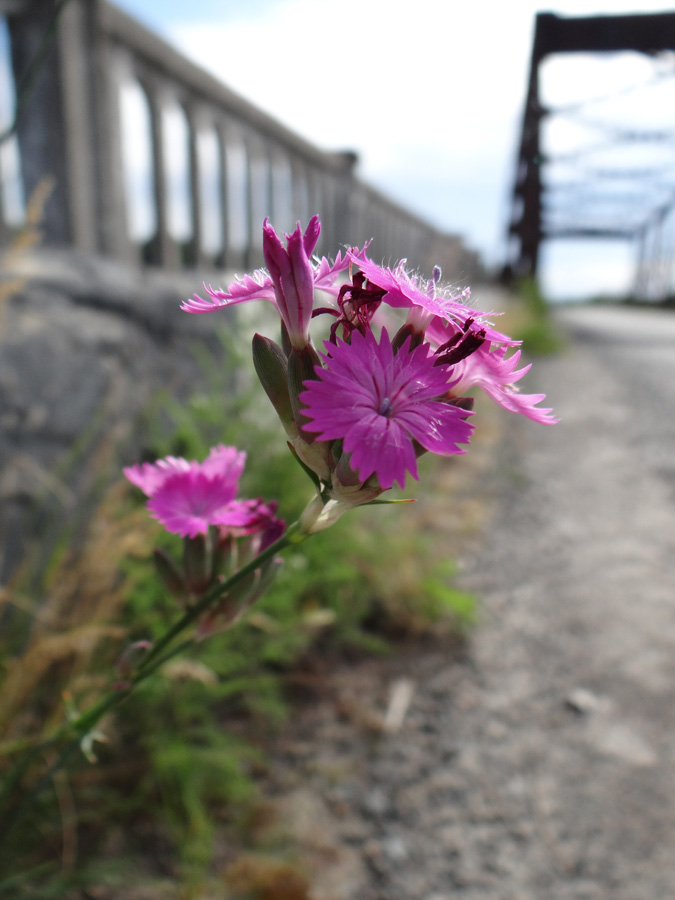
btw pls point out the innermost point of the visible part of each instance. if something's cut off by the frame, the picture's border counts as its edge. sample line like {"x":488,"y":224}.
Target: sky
{"x":428,"y":93}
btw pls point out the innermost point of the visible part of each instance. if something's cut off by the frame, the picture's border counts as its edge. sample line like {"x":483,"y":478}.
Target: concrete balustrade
{"x":237,"y":164}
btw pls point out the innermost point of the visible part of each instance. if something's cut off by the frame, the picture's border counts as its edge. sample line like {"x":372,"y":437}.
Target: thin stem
{"x":90,"y":717}
{"x":81,"y":726}
{"x":84,"y":723}
{"x":291,"y":536}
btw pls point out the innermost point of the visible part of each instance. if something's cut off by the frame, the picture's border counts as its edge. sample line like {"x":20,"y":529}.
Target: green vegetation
{"x":182,"y":752}
{"x":532,"y":323}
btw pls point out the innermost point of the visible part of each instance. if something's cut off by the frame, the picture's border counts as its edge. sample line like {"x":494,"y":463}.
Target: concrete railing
{"x":239,"y":164}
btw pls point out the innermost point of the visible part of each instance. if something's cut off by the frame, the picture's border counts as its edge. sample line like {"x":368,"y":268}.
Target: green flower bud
{"x":301,"y":365}
{"x":272,"y":370}
{"x":196,"y":563}
{"x":169,"y":574}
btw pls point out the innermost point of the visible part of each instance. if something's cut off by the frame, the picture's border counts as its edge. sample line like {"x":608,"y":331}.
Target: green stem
{"x":291,"y":536}
{"x":81,"y":726}
{"x":75,"y":730}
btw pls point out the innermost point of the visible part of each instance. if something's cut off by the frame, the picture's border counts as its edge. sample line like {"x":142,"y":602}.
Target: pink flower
{"x":188,"y":497}
{"x":406,"y":289}
{"x":293,"y":277}
{"x":489,"y":369}
{"x":258,"y":518}
{"x":189,"y":502}
{"x":290,"y":284}
{"x":225,"y":462}
{"x":149,"y":476}
{"x":380,"y":404}
{"x":423,"y":298}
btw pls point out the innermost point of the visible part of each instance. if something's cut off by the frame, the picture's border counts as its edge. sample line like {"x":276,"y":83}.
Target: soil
{"x":537,"y":761}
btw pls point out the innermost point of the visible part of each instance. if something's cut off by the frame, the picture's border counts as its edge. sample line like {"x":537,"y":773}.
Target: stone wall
{"x":85,"y":345}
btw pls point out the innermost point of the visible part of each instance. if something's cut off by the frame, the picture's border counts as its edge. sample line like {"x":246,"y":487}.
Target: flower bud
{"x":272,"y":371}
{"x":235,"y":603}
{"x":301,"y":366}
{"x":169,"y":575}
{"x":130,"y":657}
{"x":315,"y":454}
{"x":196,"y":563}
{"x":293,"y":277}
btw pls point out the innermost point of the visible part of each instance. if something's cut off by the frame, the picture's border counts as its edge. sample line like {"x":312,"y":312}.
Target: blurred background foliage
{"x":529,"y":319}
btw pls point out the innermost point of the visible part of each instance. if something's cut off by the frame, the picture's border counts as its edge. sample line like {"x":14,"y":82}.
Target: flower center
{"x":357,"y":303}
{"x":386,"y":407}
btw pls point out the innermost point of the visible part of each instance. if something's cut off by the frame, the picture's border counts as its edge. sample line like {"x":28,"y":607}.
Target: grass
{"x":182,"y":753}
{"x":530,"y":320}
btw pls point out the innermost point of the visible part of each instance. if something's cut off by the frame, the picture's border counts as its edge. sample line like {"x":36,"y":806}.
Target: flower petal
{"x":187,"y":503}
{"x":256,"y":287}
{"x":382,"y":447}
{"x":377,"y":402}
{"x":150,"y":476}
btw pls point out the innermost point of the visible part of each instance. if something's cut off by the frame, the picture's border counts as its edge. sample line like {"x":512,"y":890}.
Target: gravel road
{"x":542,"y":765}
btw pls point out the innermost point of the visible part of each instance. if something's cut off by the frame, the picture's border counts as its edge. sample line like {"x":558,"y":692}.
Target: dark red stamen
{"x":448,"y":345}
{"x":456,"y":351}
{"x":357,"y":303}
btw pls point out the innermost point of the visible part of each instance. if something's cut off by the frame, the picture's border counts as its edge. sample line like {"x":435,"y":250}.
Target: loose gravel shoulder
{"x":538,"y":764}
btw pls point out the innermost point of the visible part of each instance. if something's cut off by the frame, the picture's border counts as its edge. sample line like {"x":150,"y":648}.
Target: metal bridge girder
{"x":645,"y":33}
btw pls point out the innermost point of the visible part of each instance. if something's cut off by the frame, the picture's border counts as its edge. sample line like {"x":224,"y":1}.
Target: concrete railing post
{"x":69,"y":128}
{"x":221,"y":138}
{"x":72,"y":130}
{"x":106,"y":137}
{"x":163,"y":248}
{"x":196,"y":247}
{"x":42,"y":124}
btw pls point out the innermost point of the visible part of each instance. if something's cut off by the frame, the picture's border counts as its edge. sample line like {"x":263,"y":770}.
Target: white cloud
{"x":428,"y":93}
{"x":418,"y":96}
{"x":575,"y":270}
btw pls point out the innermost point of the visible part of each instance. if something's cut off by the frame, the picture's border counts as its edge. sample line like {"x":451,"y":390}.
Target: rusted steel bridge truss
{"x":629,"y":203}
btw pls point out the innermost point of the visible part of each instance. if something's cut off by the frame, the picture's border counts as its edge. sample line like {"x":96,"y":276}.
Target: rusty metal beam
{"x":623,"y":234}
{"x":645,"y":33}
